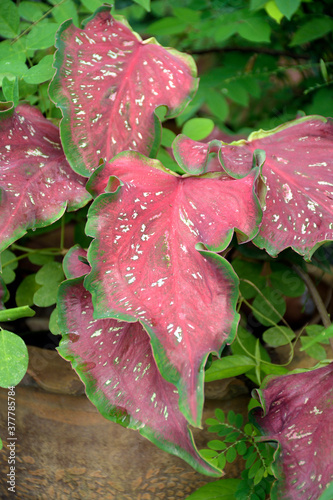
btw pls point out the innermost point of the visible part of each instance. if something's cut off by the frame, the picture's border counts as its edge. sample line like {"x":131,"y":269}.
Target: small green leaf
{"x":216,"y":445}
{"x":1,"y":444}
{"x":278,"y":335}
{"x":231,"y":455}
{"x":223,"y":489}
{"x":9,"y":264}
{"x":9,"y":19}
{"x":220,"y":415}
{"x":286,"y":280}
{"x":25,"y":291}
{"x":65,"y":10}
{"x":273,"y":11}
{"x":248,"y":429}
{"x":217,"y":104}
{"x":167,"y":26}
{"x":229,"y":366}
{"x":222,"y":461}
{"x":231,"y":417}
{"x":42,"y":36}
{"x":251,"y":459}
{"x":14,"y":359}
{"x":316,"y":28}
{"x":50,"y":276}
{"x":318,"y":334}
{"x":288,"y":7}
{"x":258,"y":476}
{"x":32,"y":11}
{"x":144,"y":3}
{"x":42,"y":72}
{"x":53,"y":323}
{"x":208,"y":454}
{"x":255,"y":29}
{"x":236,"y":92}
{"x":254,"y":469}
{"x":92,"y":5}
{"x":316,"y":351}
{"x":241,"y":448}
{"x":167,"y":137}
{"x":269,"y":307}
{"x":232,"y":437}
{"x":225,"y":31}
{"x":39,"y":258}
{"x":198,"y":129}
{"x":11,"y":69}
{"x":10,"y":90}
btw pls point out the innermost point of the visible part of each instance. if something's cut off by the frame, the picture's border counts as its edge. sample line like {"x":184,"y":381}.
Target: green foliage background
{"x":260,"y":63}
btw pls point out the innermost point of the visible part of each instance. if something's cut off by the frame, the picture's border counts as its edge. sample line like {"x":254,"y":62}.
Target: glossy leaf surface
{"x":36,"y":181}
{"x":115,"y":362}
{"x":298,"y":173}
{"x":145,"y":265}
{"x":298,"y":414}
{"x":108,"y":84}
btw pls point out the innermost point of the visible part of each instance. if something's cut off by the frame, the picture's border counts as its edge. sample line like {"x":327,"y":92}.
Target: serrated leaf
{"x":41,"y":72}
{"x":14,"y":359}
{"x":120,"y":84}
{"x":36,"y":182}
{"x":9,"y":19}
{"x":155,"y":216}
{"x":115,"y":362}
{"x":228,"y":366}
{"x":297,"y":410}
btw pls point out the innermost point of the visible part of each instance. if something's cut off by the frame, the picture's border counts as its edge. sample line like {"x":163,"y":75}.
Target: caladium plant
{"x":296,"y":409}
{"x":154,"y":295}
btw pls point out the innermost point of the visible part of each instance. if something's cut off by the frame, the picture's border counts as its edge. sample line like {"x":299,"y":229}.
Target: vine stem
{"x":316,"y":298}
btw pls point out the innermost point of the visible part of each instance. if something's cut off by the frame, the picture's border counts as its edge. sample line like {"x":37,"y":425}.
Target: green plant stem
{"x":316,"y":298}
{"x":36,"y":22}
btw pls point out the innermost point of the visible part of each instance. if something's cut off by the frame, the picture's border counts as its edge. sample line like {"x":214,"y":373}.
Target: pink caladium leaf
{"x":115,"y":361}
{"x":146,"y":265}
{"x":298,"y":173}
{"x":108,"y":84}
{"x":298,"y":413}
{"x":36,"y":181}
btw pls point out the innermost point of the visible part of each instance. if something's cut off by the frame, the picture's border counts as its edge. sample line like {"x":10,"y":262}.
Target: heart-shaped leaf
{"x":115,"y":362}
{"x":298,"y":412}
{"x":298,"y":173}
{"x":108,"y":84}
{"x":36,"y":181}
{"x":145,"y":265}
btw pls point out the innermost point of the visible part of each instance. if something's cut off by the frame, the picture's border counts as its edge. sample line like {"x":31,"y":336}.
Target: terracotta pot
{"x":66,"y":450}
